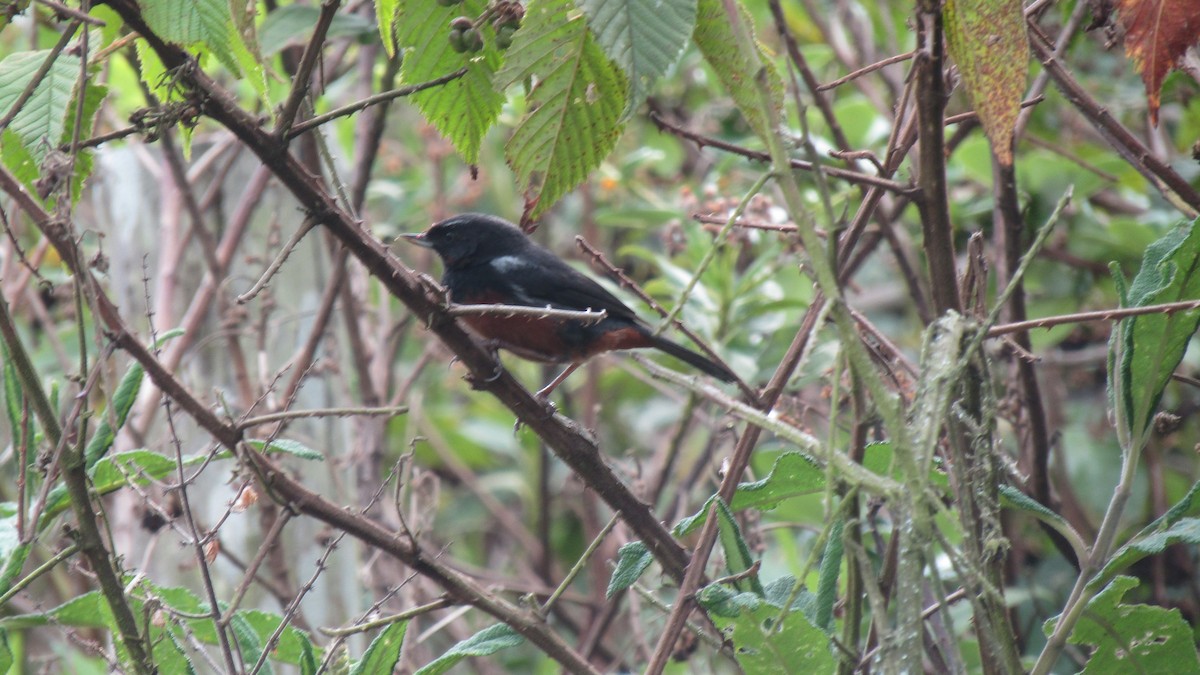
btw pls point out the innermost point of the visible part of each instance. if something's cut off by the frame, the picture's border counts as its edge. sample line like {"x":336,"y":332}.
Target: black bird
{"x":490,"y":261}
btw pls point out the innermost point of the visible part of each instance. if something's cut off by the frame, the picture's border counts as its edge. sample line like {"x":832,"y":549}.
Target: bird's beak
{"x":417,"y":238}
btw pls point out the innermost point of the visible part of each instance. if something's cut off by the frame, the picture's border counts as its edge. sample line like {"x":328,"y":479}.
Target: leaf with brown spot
{"x":986,"y":38}
{"x":1157,"y":33}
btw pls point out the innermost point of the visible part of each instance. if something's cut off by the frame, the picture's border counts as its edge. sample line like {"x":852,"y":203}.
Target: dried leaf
{"x":1157,"y":33}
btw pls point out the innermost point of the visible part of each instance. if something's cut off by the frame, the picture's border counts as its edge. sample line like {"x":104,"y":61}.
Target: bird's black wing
{"x":539,"y":278}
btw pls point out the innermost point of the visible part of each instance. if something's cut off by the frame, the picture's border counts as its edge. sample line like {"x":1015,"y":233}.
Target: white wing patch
{"x":511,"y":263}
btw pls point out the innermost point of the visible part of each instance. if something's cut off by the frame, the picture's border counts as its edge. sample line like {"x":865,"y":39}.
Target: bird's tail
{"x":690,"y":357}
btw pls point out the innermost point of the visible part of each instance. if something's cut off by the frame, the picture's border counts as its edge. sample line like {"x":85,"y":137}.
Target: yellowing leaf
{"x":986,"y":38}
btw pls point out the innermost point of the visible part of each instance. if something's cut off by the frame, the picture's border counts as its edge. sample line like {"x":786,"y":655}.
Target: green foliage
{"x":766,"y":639}
{"x":644,"y":37}
{"x":632,"y":560}
{"x":384,"y":651}
{"x":462,"y":110}
{"x":717,"y":39}
{"x":575,"y":104}
{"x":203,"y":23}
{"x":40,"y":123}
{"x":484,"y":643}
{"x":1146,"y":349}
{"x":1133,"y":638}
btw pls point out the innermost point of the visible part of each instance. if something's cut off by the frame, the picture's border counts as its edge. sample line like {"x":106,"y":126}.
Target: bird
{"x":488,"y":260}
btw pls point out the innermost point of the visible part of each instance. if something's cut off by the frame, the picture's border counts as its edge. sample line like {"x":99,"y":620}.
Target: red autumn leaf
{"x":1157,"y":33}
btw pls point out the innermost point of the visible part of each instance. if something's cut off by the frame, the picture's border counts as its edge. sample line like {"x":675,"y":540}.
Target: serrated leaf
{"x":462,"y":110}
{"x":761,"y":644}
{"x":84,"y":611}
{"x":386,"y":12}
{"x":1145,"y":350}
{"x":575,"y":105}
{"x":249,"y":642}
{"x":294,"y":646}
{"x":737,"y":72}
{"x":169,"y":654}
{"x":286,"y":446}
{"x":644,"y":37}
{"x":188,"y":24}
{"x":122,"y":402}
{"x":383,"y":652}
{"x":1132,"y":638}
{"x":632,"y":560}
{"x":41,"y":121}
{"x":986,"y":38}
{"x":484,"y":643}
{"x":737,"y":553}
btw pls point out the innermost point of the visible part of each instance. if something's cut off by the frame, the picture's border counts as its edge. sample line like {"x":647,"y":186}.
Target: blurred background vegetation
{"x":176,"y":219}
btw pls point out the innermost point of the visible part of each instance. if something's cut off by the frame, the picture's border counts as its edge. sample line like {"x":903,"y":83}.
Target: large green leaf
{"x":575,"y":105}
{"x":1132,"y":638}
{"x":761,"y":643}
{"x":462,"y":110}
{"x":1145,"y":350}
{"x":738,"y":71}
{"x":41,"y":121}
{"x":644,"y":37}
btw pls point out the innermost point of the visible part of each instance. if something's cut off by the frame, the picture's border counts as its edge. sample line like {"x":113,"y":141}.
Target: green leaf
{"x":575,"y":105}
{"x":113,"y":473}
{"x":85,"y":611}
{"x":1132,"y":638}
{"x":793,"y":474}
{"x":294,"y":645}
{"x":170,"y":655}
{"x":12,"y":552}
{"x":737,"y":553}
{"x":122,"y":403}
{"x":200,"y":22}
{"x":986,"y":38}
{"x":738,"y":72}
{"x":14,"y":400}
{"x":286,"y":446}
{"x":386,"y":12}
{"x":484,"y":643}
{"x":249,"y":642}
{"x":1153,"y":542}
{"x":6,"y":655}
{"x":632,"y":560}
{"x":41,"y":121}
{"x":383,"y":652}
{"x":294,"y":25}
{"x":644,"y":37}
{"x":1145,"y":350}
{"x":463,"y":110}
{"x":827,"y":579}
{"x":1011,"y":497}
{"x":761,"y":643}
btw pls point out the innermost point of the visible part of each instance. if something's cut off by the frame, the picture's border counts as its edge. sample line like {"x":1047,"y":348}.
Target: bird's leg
{"x":493,"y":347}
{"x":544,"y":392}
